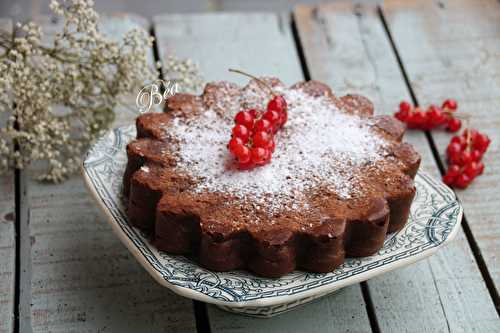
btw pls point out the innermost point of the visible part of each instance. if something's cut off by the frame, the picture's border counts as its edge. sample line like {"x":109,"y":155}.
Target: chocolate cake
{"x":339,"y":180}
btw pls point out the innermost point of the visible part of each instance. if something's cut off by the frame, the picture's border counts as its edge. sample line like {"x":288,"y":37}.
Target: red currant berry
{"x":459,"y":140}
{"x":402,"y":115}
{"x":476,"y":155}
{"x":259,"y":155}
{"x":405,"y":107}
{"x":453,"y":170}
{"x":472,"y":133}
{"x":449,"y":179}
{"x":409,"y":121}
{"x":453,"y":125}
{"x":480,"y":168}
{"x":244,"y":118}
{"x":428,"y":122}
{"x":272,"y":116}
{"x":263,"y":125}
{"x":433,"y":108}
{"x":419,"y":113}
{"x":462,"y":181}
{"x":450,"y":104}
{"x":234,"y":142}
{"x":465,"y":158}
{"x":262,"y":139}
{"x":272,"y":146}
{"x":269,"y":155}
{"x":254,"y":113}
{"x":453,"y":148}
{"x":455,"y":158}
{"x":283,"y":118}
{"x":246,"y":166}
{"x":463,"y":142}
{"x":482,"y":142}
{"x":242,"y":132}
{"x":471,"y":169}
{"x":436,"y":116}
{"x":242,"y":153}
{"x":416,"y":119}
{"x":277,"y":103}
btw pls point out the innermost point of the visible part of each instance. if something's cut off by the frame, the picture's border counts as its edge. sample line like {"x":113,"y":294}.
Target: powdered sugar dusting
{"x":318,"y":145}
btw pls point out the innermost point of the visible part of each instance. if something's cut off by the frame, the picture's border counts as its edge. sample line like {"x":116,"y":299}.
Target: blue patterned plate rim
{"x":434,"y":221}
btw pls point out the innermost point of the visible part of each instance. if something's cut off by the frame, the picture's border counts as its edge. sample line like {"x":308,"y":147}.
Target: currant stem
{"x":464,"y":116}
{"x":255,"y":78}
{"x":469,"y":137}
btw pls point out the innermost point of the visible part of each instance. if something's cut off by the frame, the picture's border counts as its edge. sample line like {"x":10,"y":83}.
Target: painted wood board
{"x":452,"y":49}
{"x":261,"y":44}
{"x":344,"y":311}
{"x":7,"y":235}
{"x":346,"y":46}
{"x":82,"y":278}
{"x":7,"y":252}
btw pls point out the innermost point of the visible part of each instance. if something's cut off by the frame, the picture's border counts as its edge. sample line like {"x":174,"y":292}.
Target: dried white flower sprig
{"x":56,"y":99}
{"x":185,"y":72}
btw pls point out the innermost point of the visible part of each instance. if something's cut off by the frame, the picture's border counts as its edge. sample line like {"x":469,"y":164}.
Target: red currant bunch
{"x":432,"y":118}
{"x":252,"y":142}
{"x":465,"y":153}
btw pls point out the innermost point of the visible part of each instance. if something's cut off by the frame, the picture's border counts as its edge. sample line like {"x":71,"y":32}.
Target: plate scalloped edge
{"x":434,"y":221}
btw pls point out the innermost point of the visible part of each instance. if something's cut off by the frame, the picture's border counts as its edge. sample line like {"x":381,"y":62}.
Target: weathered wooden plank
{"x":346,"y":46}
{"x":7,"y":236}
{"x":7,"y":252}
{"x":230,"y":40}
{"x":451,"y":49}
{"x":260,"y":44}
{"x":82,"y":277}
{"x":342,"y":312}
{"x":269,"y":5}
{"x":36,"y":8}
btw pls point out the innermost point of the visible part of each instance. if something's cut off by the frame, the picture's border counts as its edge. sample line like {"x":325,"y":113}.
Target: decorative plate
{"x":434,"y":221}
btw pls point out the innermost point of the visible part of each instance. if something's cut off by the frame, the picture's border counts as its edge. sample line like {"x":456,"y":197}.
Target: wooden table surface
{"x":62,"y":269}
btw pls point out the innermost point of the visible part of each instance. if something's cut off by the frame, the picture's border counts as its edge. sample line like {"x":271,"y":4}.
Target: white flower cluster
{"x":56,"y":98}
{"x":185,"y":72}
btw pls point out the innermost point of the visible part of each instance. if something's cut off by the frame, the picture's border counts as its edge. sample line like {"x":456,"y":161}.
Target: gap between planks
{"x":17,"y":263}
{"x":199,"y":308}
{"x":22,"y":294}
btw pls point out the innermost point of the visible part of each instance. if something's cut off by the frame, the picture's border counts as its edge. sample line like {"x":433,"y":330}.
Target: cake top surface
{"x":331,"y":154}
{"x":319,"y":145}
